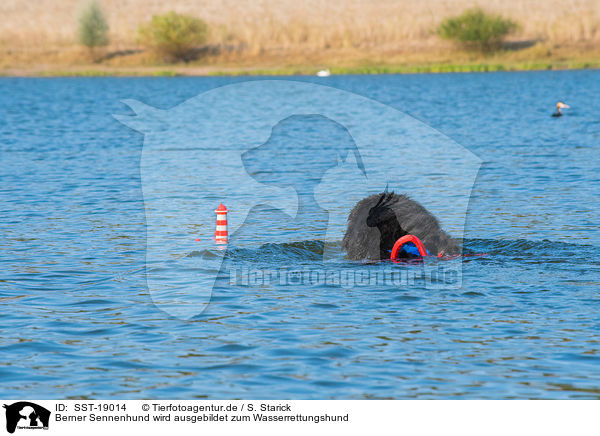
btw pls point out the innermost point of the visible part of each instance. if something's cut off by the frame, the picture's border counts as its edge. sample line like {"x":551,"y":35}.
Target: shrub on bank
{"x":93,"y":29}
{"x":477,"y":29}
{"x":173,"y":36}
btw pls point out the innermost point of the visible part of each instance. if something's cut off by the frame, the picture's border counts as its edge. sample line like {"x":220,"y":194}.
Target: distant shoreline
{"x":215,"y":70}
{"x":288,"y":37}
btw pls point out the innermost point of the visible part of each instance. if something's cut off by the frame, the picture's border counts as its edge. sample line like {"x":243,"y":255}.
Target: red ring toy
{"x":403,"y":240}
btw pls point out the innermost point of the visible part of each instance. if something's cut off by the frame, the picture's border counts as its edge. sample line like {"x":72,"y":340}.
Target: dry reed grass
{"x":254,"y":28}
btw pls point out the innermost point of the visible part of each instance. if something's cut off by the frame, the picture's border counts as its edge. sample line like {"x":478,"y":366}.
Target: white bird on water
{"x":324,"y":73}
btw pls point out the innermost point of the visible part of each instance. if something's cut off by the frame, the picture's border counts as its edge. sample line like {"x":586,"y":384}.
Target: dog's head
{"x":382,"y":212}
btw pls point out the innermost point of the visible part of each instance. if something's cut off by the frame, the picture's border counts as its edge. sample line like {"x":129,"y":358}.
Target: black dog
{"x":378,"y":221}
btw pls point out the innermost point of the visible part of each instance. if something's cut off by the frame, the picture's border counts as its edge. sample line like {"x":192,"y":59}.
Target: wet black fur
{"x":378,"y":221}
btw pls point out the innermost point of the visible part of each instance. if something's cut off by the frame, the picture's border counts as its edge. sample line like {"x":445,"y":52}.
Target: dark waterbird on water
{"x":560,"y":105}
{"x":378,"y":221}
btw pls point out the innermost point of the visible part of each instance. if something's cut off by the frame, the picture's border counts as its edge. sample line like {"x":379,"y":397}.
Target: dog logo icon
{"x":26,"y":415}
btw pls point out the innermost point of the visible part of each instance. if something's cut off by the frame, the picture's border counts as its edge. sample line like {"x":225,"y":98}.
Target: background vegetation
{"x":174,"y":36}
{"x":287,"y":34}
{"x":477,"y":29}
{"x":93,"y":29}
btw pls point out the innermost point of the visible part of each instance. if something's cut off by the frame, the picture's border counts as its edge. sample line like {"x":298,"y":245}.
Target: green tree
{"x":174,"y":36}
{"x":477,"y":29}
{"x":93,"y":29}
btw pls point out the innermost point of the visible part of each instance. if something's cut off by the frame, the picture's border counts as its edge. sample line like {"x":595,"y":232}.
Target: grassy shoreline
{"x":214,"y":70}
{"x":289,"y":37}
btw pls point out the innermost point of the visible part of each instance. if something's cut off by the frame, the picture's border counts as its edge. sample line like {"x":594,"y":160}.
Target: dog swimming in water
{"x":378,"y":221}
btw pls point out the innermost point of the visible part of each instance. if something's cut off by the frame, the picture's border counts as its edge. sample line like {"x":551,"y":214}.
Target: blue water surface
{"x":77,"y":319}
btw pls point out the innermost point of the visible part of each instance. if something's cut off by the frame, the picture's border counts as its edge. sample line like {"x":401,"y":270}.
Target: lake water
{"x":78,"y":319}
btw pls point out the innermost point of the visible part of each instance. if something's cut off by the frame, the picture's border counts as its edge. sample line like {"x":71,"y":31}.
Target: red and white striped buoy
{"x":221,"y":234}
